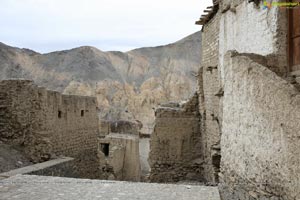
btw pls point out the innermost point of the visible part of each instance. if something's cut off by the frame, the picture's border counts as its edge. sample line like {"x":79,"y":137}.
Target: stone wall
{"x":260,"y":137}
{"x":47,"y":124}
{"x":209,"y":100}
{"x":175,"y":146}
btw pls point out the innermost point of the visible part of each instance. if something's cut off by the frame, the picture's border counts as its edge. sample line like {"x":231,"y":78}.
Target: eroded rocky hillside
{"x":127,"y":85}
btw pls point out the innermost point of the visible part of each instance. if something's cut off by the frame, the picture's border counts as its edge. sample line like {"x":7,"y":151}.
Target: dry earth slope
{"x":127,"y":85}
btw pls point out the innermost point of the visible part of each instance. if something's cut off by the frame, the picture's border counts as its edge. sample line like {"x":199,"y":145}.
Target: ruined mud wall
{"x":48,"y":124}
{"x":22,"y":123}
{"x":209,"y":100}
{"x":74,"y":132}
{"x":118,"y":150}
{"x":260,"y":139}
{"x":175,"y":146}
{"x":120,"y":160}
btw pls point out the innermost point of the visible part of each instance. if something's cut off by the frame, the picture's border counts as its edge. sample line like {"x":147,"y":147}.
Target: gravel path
{"x":25,"y":187}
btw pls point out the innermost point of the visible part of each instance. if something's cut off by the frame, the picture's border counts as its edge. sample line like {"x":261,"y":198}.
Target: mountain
{"x":128,"y":85}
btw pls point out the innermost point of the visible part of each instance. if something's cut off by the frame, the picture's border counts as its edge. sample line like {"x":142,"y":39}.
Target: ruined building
{"x":46,"y":125}
{"x":175,"y":143}
{"x":248,"y":106}
{"x":240,"y":130}
{"x":118,"y":151}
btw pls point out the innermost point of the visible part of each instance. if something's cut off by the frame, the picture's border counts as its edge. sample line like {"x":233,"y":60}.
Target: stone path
{"x":25,"y":187}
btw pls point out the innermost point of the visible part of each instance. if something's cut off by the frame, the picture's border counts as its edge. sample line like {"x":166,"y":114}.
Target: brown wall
{"x":209,"y":100}
{"x":260,"y":138}
{"x":123,"y":159}
{"x":30,"y":118}
{"x":175,"y":152}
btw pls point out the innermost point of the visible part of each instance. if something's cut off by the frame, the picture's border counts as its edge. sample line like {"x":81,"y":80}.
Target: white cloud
{"x":48,"y":25}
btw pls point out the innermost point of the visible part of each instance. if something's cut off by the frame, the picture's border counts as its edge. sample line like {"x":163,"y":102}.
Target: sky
{"x":121,"y":25}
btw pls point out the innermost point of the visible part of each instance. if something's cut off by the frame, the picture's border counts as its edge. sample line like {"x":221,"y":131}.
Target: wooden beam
{"x":200,"y":22}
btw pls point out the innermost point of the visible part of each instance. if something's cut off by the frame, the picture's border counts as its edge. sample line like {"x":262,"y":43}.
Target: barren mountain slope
{"x":127,"y":85}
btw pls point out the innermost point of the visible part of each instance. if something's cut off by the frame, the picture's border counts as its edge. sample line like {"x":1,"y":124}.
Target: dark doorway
{"x":105,"y":148}
{"x":59,"y":114}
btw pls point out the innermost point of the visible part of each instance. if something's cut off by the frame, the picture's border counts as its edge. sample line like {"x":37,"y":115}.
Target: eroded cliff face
{"x":127,"y":85}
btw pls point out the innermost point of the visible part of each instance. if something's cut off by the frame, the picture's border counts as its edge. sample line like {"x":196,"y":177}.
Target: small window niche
{"x":59,"y":114}
{"x":105,"y":148}
{"x":82,"y":113}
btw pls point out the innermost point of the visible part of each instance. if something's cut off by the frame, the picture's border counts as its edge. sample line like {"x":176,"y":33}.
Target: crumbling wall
{"x":75,"y":133}
{"x":21,"y":120}
{"x":260,"y":135}
{"x":48,"y":124}
{"x":175,"y":145}
{"x":210,"y":92}
{"x":119,"y":157}
{"x":118,"y":150}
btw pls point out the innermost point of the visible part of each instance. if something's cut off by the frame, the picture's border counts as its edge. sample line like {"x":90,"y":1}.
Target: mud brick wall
{"x":210,"y":93}
{"x":175,"y":152}
{"x":124,"y":158}
{"x":22,"y":121}
{"x":48,"y":124}
{"x":122,"y":161}
{"x":260,"y":139}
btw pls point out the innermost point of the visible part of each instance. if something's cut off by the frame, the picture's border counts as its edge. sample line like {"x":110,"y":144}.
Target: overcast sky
{"x":51,"y":25}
